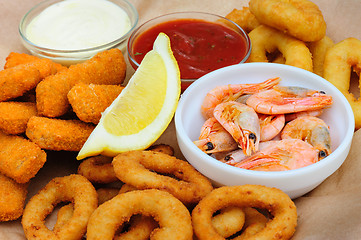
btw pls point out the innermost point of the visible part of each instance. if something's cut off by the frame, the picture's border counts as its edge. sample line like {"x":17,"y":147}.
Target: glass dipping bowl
{"x":68,"y":57}
{"x":208,"y":17}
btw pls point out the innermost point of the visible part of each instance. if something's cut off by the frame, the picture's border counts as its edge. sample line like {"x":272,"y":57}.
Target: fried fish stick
{"x":57,"y":134}
{"x":12,"y":198}
{"x":20,"y":159}
{"x":14,"y":116}
{"x":89,"y":101}
{"x":16,"y":81}
{"x":14,"y":59}
{"x":106,"y":67}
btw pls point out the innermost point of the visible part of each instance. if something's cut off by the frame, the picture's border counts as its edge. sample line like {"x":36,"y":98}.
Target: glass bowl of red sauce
{"x":201,"y":42}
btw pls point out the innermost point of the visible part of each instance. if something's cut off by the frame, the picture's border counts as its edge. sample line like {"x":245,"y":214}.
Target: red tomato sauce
{"x":198,"y":46}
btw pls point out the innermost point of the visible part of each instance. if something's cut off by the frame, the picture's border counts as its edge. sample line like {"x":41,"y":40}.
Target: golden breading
{"x":20,"y":159}
{"x":106,"y":67}
{"x":14,"y":116}
{"x":90,"y":100}
{"x":12,"y":198}
{"x":14,"y":59}
{"x":58,"y":134}
{"x":244,"y":18}
{"x":16,"y":81}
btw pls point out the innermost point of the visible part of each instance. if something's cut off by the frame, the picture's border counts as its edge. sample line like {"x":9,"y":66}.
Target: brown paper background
{"x":331,"y":211}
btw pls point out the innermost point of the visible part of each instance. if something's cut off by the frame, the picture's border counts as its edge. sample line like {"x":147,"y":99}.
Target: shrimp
{"x":312,"y":130}
{"x":238,"y":155}
{"x":271,"y":125}
{"x":214,"y":138}
{"x":241,"y":122}
{"x":292,"y":116}
{"x":282,"y":100}
{"x":281,"y":155}
{"x":231,"y":92}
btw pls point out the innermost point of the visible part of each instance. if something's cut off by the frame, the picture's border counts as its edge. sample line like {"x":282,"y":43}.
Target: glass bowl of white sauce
{"x":72,"y":31}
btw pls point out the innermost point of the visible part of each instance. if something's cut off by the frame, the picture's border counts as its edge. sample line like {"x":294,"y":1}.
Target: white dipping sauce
{"x":78,"y":24}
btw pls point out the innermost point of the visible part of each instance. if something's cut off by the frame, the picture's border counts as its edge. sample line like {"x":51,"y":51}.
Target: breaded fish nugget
{"x":106,"y":67}
{"x":58,"y":134}
{"x":16,"y":81}
{"x":14,"y":59}
{"x":14,"y":116}
{"x":20,"y":159}
{"x":12,"y":198}
{"x":90,"y":100}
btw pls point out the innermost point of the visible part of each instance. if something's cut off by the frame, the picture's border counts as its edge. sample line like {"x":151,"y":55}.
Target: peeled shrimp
{"x":231,"y":92}
{"x":271,"y":125}
{"x":241,"y":122}
{"x":214,"y":138}
{"x":312,"y":130}
{"x":281,"y":155}
{"x":281,"y":100}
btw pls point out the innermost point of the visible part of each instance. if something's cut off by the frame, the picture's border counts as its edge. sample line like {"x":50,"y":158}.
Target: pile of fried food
{"x":294,"y":33}
{"x":47,"y":106}
{"x":150,"y":193}
{"x":147,"y":194}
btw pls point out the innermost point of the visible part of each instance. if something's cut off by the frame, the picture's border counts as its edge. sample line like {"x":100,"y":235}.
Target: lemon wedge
{"x":143,"y":110}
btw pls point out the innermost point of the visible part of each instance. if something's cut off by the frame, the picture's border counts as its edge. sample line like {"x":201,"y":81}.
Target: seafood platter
{"x":134,"y":119}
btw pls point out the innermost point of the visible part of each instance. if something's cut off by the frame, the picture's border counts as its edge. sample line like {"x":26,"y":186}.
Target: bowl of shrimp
{"x":264,"y":123}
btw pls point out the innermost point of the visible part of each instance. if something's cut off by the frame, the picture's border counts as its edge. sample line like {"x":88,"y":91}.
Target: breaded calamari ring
{"x":254,"y":223}
{"x":88,"y":101}
{"x":20,"y":159}
{"x":16,"y":81}
{"x":244,"y":18}
{"x":99,"y":169}
{"x":301,"y":19}
{"x":318,"y":50}
{"x":12,"y":198}
{"x":278,"y":203}
{"x":229,"y":221}
{"x":14,"y":59}
{"x":140,"y":169}
{"x":58,"y":134}
{"x":173,"y":217}
{"x":107,"y":67}
{"x":339,"y":61}
{"x":267,"y":40}
{"x":14,"y":116}
{"x":73,"y":188}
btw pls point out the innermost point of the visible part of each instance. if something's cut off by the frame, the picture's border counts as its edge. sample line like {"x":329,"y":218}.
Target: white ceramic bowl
{"x":188,"y":122}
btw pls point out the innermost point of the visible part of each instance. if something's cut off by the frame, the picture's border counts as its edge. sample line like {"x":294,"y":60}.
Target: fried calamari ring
{"x":140,"y":169}
{"x":99,"y":169}
{"x":280,"y":206}
{"x":339,"y":61}
{"x":301,"y":19}
{"x":173,"y":217}
{"x":73,"y":188}
{"x":318,"y":50}
{"x":267,"y":40}
{"x":254,"y":223}
{"x":244,"y":18}
{"x":229,"y":221}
